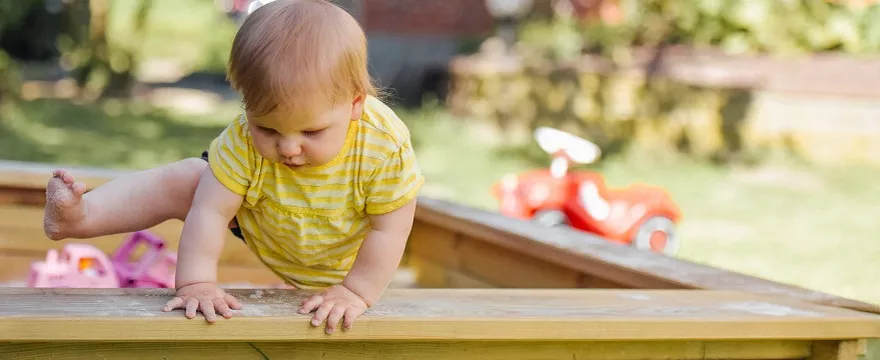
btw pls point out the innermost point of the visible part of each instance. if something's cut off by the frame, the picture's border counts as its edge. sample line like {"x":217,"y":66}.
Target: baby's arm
{"x":201,"y":243}
{"x":201,"y":240}
{"x":218,"y":196}
{"x":375,"y":265}
{"x":391,"y":192}
{"x":380,"y":253}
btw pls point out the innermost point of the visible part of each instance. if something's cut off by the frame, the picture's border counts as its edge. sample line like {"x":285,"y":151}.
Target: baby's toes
{"x":68,"y":178}
{"x":78,"y":189}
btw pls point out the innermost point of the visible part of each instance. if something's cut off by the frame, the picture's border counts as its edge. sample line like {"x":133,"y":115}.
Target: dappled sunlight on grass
{"x":116,"y":135}
{"x":172,"y":28}
{"x":813,"y":227}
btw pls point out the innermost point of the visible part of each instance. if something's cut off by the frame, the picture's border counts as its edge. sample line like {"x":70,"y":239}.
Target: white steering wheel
{"x":581,"y":151}
{"x":256,"y":4}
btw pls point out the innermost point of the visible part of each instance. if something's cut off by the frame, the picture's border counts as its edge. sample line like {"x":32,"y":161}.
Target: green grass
{"x":193,"y":32}
{"x":114,"y":135}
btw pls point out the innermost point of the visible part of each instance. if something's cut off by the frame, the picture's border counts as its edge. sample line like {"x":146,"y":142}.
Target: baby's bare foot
{"x":65,"y":208}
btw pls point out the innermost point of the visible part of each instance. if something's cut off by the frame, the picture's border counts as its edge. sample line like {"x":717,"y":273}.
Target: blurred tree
{"x":77,"y":31}
{"x":753,"y":26}
{"x":12,"y":16}
{"x":97,"y":56}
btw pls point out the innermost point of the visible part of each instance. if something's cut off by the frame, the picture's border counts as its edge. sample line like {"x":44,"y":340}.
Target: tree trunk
{"x":122,"y":81}
{"x":97,"y":52}
{"x":120,"y":78}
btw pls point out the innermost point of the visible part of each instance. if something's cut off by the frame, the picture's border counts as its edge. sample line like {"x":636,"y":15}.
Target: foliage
{"x":12,"y":13}
{"x":737,"y":26}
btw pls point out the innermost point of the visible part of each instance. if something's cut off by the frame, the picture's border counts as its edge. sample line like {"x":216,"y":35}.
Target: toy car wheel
{"x":657,"y":234}
{"x":550,"y":218}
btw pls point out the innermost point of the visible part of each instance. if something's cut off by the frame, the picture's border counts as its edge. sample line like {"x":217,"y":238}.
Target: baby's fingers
{"x":222,"y":308}
{"x":207,"y":308}
{"x":321,"y":313}
{"x":232,"y":302}
{"x":350,"y":315}
{"x":334,"y":318}
{"x":311,"y":304}
{"x":175,"y":303}
{"x":192,"y":304}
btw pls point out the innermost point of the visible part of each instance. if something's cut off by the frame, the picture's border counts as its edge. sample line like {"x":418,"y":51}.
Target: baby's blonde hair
{"x":299,"y":55}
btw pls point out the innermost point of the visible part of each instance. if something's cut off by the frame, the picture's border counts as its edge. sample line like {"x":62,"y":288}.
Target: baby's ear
{"x":357,"y":107}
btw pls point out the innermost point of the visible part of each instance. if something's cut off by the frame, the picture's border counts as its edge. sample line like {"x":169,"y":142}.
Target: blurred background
{"x":759,"y":117}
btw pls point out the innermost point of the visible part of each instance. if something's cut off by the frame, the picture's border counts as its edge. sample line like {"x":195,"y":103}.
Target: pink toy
{"x":85,"y":266}
{"x":78,"y":266}
{"x":154,"y":269}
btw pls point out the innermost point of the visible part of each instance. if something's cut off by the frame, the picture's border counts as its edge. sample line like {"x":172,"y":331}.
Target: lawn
{"x":781,"y":221}
{"x":792,"y":223}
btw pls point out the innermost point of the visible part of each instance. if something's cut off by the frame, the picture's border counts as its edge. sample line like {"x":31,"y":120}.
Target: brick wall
{"x":427,"y":17}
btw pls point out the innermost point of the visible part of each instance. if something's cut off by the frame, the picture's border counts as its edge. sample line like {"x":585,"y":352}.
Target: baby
{"x":317,"y":176}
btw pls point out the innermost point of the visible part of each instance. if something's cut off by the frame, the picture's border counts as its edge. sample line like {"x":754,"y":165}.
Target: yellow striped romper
{"x":307,"y":225}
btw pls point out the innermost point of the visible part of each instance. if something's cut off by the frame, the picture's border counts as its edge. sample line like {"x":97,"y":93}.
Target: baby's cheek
{"x":265,"y":148}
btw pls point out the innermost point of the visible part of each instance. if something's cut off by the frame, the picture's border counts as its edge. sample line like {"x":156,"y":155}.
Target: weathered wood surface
{"x":451,"y":314}
{"x":429,"y":350}
{"x":435,"y":324}
{"x":493,"y":249}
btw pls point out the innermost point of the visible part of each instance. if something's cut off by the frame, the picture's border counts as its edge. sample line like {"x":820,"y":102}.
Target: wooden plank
{"x":434,"y":243}
{"x":420,"y":314}
{"x":107,"y":351}
{"x":467,"y":258}
{"x":756,"y":350}
{"x":36,"y":175}
{"x":390,"y":350}
{"x":432,"y":275}
{"x":588,"y":281}
{"x":507,"y":268}
{"x":429,"y":275}
{"x":603,"y":259}
{"x":19,"y":196}
{"x":834,"y":350}
{"x":21,"y":228}
{"x":862,"y":347}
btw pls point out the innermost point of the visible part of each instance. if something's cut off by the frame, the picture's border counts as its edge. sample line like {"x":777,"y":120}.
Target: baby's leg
{"x":129,"y":203}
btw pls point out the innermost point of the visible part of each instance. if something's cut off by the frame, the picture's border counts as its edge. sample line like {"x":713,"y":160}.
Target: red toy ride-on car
{"x":640,"y":215}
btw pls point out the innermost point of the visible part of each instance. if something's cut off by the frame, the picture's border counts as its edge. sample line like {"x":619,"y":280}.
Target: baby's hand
{"x":333,"y":304}
{"x":206,"y":297}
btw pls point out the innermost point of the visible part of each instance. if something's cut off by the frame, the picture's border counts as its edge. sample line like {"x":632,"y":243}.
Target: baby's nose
{"x":289,"y":149}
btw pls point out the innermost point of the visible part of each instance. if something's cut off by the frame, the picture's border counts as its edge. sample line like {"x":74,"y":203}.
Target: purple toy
{"x":154,"y":269}
{"x":85,"y":266}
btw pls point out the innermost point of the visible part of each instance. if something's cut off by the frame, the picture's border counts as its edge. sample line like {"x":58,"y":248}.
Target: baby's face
{"x":299,"y":141}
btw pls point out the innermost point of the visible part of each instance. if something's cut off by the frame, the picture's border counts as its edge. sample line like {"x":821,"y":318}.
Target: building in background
{"x":412,"y":41}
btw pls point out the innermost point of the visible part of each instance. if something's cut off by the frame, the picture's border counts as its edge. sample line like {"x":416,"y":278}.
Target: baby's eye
{"x":312,"y":132}
{"x":267,"y":130}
